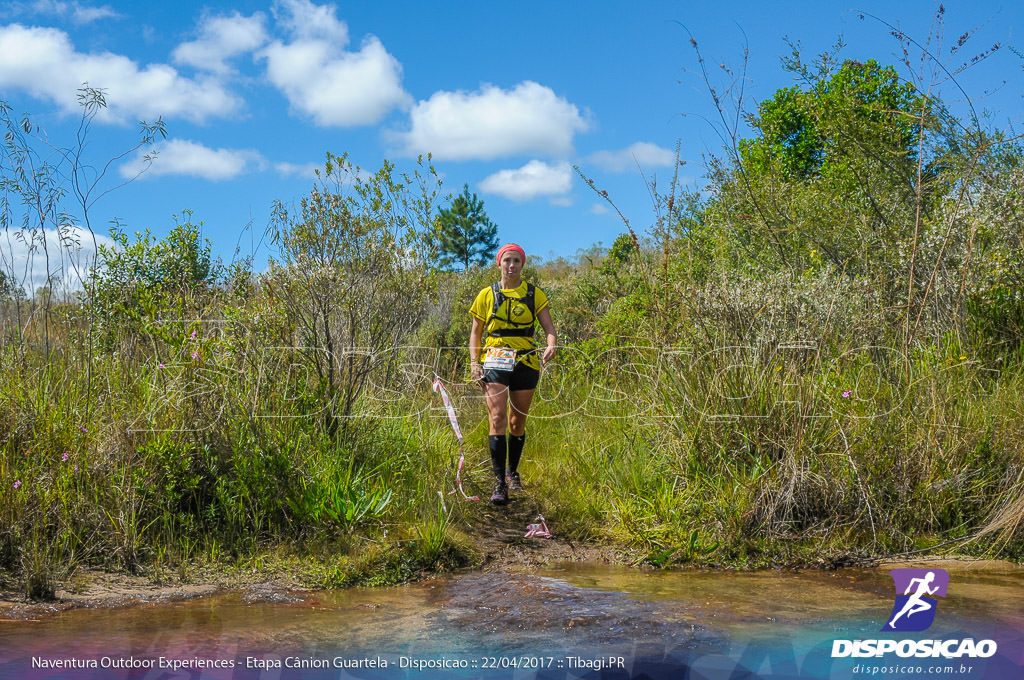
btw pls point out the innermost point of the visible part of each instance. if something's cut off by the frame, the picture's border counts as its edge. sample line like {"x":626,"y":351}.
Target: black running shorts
{"x":522,"y":377}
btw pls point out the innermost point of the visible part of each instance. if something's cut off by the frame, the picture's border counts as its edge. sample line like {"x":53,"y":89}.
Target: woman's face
{"x":511,"y":263}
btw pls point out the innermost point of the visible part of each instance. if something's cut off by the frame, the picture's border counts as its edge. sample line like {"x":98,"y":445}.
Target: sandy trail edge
{"x":496,"y":536}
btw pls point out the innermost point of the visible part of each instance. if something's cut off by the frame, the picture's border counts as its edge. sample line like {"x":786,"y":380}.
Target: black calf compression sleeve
{"x":496,"y":442}
{"x":515,"y":450}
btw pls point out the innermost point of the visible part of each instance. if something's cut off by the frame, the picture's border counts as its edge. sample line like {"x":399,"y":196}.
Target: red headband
{"x":507,"y":247}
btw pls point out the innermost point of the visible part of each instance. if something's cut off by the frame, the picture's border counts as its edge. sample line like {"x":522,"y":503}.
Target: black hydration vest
{"x":518,"y":329}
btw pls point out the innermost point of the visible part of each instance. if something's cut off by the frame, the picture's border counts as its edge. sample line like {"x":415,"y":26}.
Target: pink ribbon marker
{"x":538,"y":530}
{"x":439,"y":387}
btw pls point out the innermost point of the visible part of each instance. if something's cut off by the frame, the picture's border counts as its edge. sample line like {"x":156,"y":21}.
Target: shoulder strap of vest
{"x":499,"y":297}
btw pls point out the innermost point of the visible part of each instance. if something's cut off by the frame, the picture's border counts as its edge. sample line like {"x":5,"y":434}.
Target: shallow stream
{"x":570,"y":621}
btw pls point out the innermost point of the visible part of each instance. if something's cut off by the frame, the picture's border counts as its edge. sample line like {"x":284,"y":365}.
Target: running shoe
{"x":500,"y":495}
{"x":513,"y":481}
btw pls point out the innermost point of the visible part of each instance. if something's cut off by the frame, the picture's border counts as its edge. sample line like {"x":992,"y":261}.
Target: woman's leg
{"x":496,"y":395}
{"x":521,"y":400}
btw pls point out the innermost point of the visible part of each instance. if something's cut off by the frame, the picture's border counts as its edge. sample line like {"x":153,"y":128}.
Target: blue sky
{"x":507,"y":95}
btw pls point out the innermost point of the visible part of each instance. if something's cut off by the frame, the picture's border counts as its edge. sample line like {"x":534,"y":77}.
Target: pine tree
{"x":463,"y":234}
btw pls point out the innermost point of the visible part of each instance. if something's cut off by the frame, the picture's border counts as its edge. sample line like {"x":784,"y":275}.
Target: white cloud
{"x":185,"y":157}
{"x":644,"y":154}
{"x":598,"y":209}
{"x":491,"y":123}
{"x":76,"y":11}
{"x":534,"y":179}
{"x":44,"y":63}
{"x":306,"y":170}
{"x":306,"y":21}
{"x":221,"y":38}
{"x":86,"y":15}
{"x":321,"y":79}
{"x":23,"y":256}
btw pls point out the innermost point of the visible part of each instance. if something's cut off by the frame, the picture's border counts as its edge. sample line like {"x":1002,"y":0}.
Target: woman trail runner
{"x":504,"y":357}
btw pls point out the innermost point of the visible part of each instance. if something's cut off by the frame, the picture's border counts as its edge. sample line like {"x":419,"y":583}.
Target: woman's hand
{"x":476,"y":370}
{"x":544,"y":317}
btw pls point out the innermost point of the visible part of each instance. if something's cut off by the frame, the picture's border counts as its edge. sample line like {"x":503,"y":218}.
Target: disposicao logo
{"x":915,"y":609}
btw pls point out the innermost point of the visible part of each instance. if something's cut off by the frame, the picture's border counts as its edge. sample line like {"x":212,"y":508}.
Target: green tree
{"x":848,"y":168}
{"x":47,"y":187}
{"x":140,"y":281}
{"x":350,"y":279}
{"x":817,"y":131}
{"x":860,"y":177}
{"x":463,"y":234}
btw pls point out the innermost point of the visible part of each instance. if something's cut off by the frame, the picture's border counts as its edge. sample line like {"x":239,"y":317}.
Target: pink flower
{"x":195,"y":355}
{"x":64,"y":458}
{"x":161,"y":365}
{"x":17,"y":484}
{"x":193,"y":336}
{"x":846,"y":394}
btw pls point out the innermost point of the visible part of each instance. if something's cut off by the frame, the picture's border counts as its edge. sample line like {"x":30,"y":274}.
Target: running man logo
{"x":914,"y":609}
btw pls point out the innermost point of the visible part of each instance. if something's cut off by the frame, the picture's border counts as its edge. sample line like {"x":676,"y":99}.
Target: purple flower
{"x":83,"y":429}
{"x":195,"y":355}
{"x":17,"y":484}
{"x":846,"y":394}
{"x":193,"y":336}
{"x":161,"y":365}
{"x":64,"y":458}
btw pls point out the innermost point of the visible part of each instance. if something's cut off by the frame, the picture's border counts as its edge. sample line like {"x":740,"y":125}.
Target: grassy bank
{"x":677,"y":455}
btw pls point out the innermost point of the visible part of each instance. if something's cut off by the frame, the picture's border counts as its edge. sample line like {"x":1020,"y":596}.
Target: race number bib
{"x":499,"y":359}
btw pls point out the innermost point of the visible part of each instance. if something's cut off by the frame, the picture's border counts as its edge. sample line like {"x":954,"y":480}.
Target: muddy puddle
{"x":569,"y":621}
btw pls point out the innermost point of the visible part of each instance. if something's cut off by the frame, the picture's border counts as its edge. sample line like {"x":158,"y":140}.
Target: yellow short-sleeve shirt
{"x":512,"y":308}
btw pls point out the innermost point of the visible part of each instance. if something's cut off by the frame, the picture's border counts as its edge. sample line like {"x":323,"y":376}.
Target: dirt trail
{"x":499,"y":533}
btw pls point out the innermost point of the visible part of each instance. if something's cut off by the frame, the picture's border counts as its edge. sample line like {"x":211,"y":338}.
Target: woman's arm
{"x":544,"y":317}
{"x":476,"y":370}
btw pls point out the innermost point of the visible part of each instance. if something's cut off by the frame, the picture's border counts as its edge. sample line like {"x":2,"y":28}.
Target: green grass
{"x":768,"y":460}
